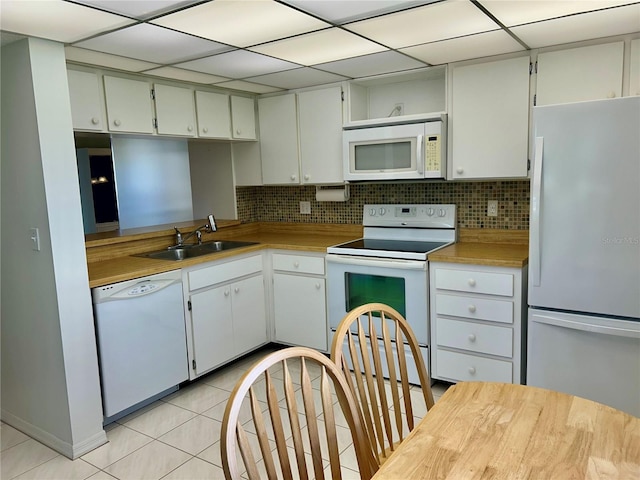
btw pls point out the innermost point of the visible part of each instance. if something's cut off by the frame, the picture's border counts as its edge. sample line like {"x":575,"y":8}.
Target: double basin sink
{"x":192,"y":251}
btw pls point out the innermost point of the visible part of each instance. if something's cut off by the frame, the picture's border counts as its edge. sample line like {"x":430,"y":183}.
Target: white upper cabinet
{"x":214,"y":117}
{"x":243,"y":118}
{"x":87,"y":101}
{"x":129,"y":106}
{"x":580,"y":74}
{"x":489,"y":119}
{"x":175,"y":112}
{"x":634,"y":68}
{"x":320,"y":130}
{"x":279,"y":139}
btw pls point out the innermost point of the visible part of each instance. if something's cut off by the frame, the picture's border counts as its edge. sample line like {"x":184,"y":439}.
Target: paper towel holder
{"x":332,"y":193}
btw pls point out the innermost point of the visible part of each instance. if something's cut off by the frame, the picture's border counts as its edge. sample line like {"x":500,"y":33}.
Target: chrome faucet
{"x":208,"y":227}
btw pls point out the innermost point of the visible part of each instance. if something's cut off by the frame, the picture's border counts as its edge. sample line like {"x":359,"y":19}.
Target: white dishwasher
{"x":141,"y":340}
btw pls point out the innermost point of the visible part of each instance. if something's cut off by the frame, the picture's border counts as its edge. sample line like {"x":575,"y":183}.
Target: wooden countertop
{"x":492,"y":254}
{"x":304,"y":238}
{"x":494,"y":430}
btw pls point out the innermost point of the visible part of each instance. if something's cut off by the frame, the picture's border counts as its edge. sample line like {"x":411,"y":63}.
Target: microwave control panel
{"x":433,"y":153}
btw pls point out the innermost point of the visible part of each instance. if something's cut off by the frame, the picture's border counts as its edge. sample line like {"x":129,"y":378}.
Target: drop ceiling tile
{"x":247,"y":87}
{"x":185,"y":75}
{"x":518,"y":12}
{"x":238,"y":64}
{"x":339,"y":11}
{"x":298,"y":78}
{"x":57,"y":20}
{"x":602,"y":23}
{"x":82,"y":55}
{"x":241,"y":22}
{"x":426,"y":24}
{"x":373,"y":64}
{"x":153,"y":44}
{"x":465,"y":48}
{"x":319,"y":47}
{"x":140,"y":10}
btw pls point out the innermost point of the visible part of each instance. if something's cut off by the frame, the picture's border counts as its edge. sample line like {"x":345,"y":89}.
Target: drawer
{"x":475,"y":282}
{"x":475,"y":337}
{"x":224,"y":272}
{"x":298,"y":263}
{"x":474,"y":307}
{"x":463,"y":367}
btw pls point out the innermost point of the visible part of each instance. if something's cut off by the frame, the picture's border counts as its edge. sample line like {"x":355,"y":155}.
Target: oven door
{"x":353,"y":281}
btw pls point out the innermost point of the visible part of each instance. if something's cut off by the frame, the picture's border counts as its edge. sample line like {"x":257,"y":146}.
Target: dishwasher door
{"x":141,"y":339}
{"x":591,"y":357}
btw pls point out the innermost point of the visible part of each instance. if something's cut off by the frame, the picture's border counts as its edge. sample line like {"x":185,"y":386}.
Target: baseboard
{"x":67,"y":449}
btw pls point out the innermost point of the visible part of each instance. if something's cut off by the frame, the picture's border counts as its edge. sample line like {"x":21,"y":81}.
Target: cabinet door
{"x":87,"y":103}
{"x":580,"y":74}
{"x":279,"y":139}
{"x":174,"y":110}
{"x":212,"y":328}
{"x":320,"y":130}
{"x":300,"y":310}
{"x":214,"y":117}
{"x":634,"y":68}
{"x":243,"y":118}
{"x":128,"y":105}
{"x":490,"y":119}
{"x":249,"y":314}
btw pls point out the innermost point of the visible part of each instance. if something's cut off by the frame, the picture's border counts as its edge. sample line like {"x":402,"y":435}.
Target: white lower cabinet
{"x":299,"y":300}
{"x":225,"y":310}
{"x":477,"y":314}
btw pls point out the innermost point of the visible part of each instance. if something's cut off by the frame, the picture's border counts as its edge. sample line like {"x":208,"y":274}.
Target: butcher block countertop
{"x":496,"y":248}
{"x":110,"y":255}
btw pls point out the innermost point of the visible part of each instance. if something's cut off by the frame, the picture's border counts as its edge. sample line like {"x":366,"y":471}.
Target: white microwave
{"x":396,"y":152}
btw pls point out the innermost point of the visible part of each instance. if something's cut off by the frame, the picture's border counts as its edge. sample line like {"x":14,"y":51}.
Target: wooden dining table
{"x":485,"y":430}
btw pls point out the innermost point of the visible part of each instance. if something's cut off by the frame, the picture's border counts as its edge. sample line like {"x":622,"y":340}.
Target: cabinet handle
{"x":459,"y":170}
{"x":318,"y":286}
{"x":472,"y":308}
{"x":472,"y":282}
{"x":307,"y":177}
{"x":612,"y":94}
{"x":472,"y":370}
{"x":296,"y":264}
{"x":472,"y":337}
{"x":95,"y":121}
{"x":238,"y":131}
{"x":236,"y":290}
{"x":293,"y":178}
{"x":226,"y":293}
{"x":116,"y":123}
{"x":189,"y":128}
{"x":205,"y":130}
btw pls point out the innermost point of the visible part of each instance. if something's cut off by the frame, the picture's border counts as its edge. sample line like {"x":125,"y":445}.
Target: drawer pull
{"x":472,"y":308}
{"x":296,"y":264}
{"x":226,"y":293}
{"x":472,"y":370}
{"x":472,"y":337}
{"x":236,"y":290}
{"x":472,"y":282}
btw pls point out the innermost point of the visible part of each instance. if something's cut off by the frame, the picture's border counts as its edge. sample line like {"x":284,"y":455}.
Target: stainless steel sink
{"x":191,"y":251}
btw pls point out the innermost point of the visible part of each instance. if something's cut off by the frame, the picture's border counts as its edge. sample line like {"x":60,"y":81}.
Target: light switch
{"x":34,"y":234}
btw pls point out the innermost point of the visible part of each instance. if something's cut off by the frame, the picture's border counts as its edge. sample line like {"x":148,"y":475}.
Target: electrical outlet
{"x":492,"y":208}
{"x":305,"y":208}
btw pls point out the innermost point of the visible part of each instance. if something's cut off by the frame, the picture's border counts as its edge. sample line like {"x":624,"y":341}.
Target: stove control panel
{"x":410,"y":216}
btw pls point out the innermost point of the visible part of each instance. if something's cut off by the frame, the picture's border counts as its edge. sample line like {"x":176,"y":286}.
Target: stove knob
{"x":383,"y":211}
{"x":430,"y":212}
{"x":442,"y":212}
{"x":372,"y":212}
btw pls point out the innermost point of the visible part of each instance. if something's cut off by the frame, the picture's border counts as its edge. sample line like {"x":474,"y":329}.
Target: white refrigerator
{"x":584,"y":252}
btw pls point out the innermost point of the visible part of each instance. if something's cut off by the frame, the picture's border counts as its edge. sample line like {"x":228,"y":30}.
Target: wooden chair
{"x":382,"y":408}
{"x":305,"y":404}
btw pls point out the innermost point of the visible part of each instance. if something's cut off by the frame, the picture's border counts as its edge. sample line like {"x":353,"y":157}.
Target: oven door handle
{"x":371,"y":262}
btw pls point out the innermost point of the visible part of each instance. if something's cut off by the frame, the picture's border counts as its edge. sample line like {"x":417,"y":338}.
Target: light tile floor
{"x":175,"y":438}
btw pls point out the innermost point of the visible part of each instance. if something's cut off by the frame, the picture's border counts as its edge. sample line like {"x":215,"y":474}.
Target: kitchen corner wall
{"x":282,"y":203}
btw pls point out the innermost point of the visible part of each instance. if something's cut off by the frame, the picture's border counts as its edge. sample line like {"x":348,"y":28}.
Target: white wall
{"x":50,"y":381}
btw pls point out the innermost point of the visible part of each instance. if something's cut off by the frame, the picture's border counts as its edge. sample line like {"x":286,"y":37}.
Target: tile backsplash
{"x":282,"y":203}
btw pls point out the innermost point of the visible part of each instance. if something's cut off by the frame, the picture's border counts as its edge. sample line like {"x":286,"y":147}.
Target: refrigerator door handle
{"x":587,"y":327}
{"x":536,"y":205}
